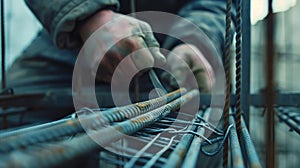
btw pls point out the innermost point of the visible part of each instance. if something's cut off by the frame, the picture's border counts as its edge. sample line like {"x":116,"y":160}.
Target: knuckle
{"x":134,"y":42}
{"x":146,"y":26}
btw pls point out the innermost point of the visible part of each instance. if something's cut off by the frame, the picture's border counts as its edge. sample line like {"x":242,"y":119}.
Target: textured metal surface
{"x":291,"y":117}
{"x":59,"y":152}
{"x":238,"y":65}
{"x":227,"y":72}
{"x":194,"y":150}
{"x":177,"y":156}
{"x":72,"y":126}
{"x":235,"y":148}
{"x":252,"y":156}
{"x":177,"y":142}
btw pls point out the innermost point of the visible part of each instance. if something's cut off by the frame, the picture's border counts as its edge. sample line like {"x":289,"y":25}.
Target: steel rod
{"x":192,"y":155}
{"x":269,"y":95}
{"x":252,"y":156}
{"x":238,"y":66}
{"x":227,"y":73}
{"x":63,"y":151}
{"x":246,"y":61}
{"x":71,"y":126}
{"x":3,"y":83}
{"x":177,"y":156}
{"x":289,"y":121}
{"x":235,"y":148}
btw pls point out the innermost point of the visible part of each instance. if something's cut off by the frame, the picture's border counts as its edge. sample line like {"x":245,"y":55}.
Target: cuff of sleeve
{"x":64,"y":24}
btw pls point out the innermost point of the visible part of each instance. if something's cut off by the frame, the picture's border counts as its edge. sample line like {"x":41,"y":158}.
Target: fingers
{"x":134,"y":39}
{"x":187,"y":62}
{"x":152,"y":43}
{"x":133,"y":47}
{"x":140,"y":54}
{"x":179,"y":68}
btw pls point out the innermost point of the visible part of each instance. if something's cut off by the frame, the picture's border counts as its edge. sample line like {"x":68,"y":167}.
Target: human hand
{"x":114,"y":28}
{"x":185,"y":58}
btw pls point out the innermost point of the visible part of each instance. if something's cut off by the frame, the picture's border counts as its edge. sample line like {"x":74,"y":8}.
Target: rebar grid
{"x":290,"y":116}
{"x":62,"y":150}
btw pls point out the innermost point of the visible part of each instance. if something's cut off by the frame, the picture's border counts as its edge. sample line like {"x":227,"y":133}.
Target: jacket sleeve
{"x":60,"y":17}
{"x":209,"y":16}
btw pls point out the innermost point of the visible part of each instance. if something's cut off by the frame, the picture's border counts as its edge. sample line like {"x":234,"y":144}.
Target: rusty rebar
{"x":227,"y":72}
{"x":63,"y":151}
{"x":238,"y":66}
{"x":72,"y":126}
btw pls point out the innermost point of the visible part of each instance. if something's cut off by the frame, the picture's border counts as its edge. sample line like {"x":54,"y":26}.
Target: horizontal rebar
{"x":66,"y":150}
{"x":73,"y":126}
{"x":290,"y":121}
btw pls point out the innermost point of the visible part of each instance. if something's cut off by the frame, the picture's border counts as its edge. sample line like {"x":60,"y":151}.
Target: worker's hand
{"x":186,"y":58}
{"x":114,"y":27}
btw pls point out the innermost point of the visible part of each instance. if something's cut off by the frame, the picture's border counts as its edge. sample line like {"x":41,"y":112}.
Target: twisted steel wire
{"x":219,"y":148}
{"x":132,"y":161}
{"x":73,"y":126}
{"x":158,"y":155}
{"x":166,"y":144}
{"x":227,"y":72}
{"x":238,"y":65}
{"x":194,"y":149}
{"x":63,"y":151}
{"x":177,"y":156}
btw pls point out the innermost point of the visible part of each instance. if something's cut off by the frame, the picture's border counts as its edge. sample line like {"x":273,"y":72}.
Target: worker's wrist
{"x":91,"y":24}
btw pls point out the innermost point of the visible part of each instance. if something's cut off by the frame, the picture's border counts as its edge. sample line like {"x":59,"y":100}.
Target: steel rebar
{"x":71,"y":126}
{"x":270,"y":94}
{"x":194,"y":150}
{"x":235,"y":148}
{"x":227,"y":73}
{"x":289,"y":121}
{"x":252,"y":156}
{"x":177,"y":156}
{"x":66,"y":150}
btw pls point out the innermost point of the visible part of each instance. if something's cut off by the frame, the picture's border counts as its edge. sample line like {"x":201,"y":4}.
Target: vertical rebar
{"x":3,"y":79}
{"x":246,"y":43}
{"x":270,"y":137}
{"x":238,"y":66}
{"x":227,"y":71}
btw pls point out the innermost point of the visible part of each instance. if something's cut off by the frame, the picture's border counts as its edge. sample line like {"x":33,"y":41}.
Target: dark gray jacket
{"x":47,"y":63}
{"x":50,"y":58}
